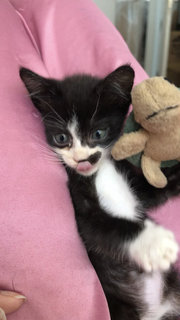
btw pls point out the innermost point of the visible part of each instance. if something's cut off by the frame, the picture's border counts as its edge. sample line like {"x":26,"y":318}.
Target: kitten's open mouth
{"x":84,"y":166}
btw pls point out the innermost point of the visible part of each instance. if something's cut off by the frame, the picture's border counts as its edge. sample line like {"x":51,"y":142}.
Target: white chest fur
{"x":114,"y":193}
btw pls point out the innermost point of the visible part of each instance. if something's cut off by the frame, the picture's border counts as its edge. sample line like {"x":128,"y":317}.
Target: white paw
{"x":2,"y":314}
{"x":155,"y":248}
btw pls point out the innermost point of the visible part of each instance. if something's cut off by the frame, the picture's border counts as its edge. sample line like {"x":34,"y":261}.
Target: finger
{"x":11,"y":301}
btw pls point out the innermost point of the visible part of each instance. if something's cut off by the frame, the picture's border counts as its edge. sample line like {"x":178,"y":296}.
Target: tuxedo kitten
{"x":83,"y":117}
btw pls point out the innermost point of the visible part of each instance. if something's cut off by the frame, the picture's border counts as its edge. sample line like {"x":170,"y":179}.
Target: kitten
{"x":83,"y":117}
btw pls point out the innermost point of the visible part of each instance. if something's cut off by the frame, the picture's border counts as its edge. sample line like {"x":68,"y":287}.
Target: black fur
{"x":101,"y":103}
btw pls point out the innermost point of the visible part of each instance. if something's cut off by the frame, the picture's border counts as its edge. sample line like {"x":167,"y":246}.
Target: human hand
{"x":10,"y":302}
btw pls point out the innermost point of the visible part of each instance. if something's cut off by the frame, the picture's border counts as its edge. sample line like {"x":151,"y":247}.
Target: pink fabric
{"x":41,"y":253}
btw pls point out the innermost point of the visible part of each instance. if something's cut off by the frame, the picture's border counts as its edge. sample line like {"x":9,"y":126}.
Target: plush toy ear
{"x":120,"y":81}
{"x":40,"y":89}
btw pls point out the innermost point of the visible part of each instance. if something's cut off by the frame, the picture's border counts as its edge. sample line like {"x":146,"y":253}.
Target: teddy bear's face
{"x":162,"y":120}
{"x":156,"y":104}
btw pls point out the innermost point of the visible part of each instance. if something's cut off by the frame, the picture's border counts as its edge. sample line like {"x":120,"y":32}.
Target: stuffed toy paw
{"x":155,"y":141}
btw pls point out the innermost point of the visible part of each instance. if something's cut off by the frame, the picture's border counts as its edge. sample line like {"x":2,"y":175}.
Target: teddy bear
{"x":156,"y":109}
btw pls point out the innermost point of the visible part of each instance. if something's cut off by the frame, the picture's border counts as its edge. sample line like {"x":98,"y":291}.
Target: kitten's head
{"x":83,"y":115}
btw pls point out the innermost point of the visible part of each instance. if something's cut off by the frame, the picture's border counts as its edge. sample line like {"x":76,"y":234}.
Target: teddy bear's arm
{"x":129,"y":144}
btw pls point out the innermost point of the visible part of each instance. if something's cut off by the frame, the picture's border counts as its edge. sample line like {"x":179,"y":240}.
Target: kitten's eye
{"x":61,"y":139}
{"x":99,"y":134}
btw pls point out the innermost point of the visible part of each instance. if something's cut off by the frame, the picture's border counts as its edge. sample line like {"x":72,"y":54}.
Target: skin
{"x":10,"y":302}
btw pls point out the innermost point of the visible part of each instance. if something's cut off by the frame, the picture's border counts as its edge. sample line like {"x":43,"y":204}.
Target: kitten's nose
{"x":93,"y":158}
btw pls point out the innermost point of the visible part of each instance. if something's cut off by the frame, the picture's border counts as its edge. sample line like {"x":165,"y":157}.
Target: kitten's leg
{"x":161,"y":295}
{"x":152,"y":197}
{"x":153,"y":299}
{"x":119,"y":310}
{"x":157,"y":305}
{"x":149,"y":245}
{"x":154,"y":248}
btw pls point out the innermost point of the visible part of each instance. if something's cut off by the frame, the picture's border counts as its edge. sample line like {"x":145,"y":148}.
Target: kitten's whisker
{"x":41,"y":141}
{"x":33,"y":93}
{"x":52,"y":109}
{"x":44,"y":117}
{"x":53,"y":124}
{"x":45,"y":148}
{"x":109,"y":145}
{"x":49,"y":156}
{"x":97,"y":105}
{"x":73,"y":109}
{"x":59,"y":120}
{"x":49,"y":153}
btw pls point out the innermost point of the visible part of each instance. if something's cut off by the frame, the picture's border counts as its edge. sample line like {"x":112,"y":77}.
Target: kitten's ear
{"x":120,"y":81}
{"x":40,"y":89}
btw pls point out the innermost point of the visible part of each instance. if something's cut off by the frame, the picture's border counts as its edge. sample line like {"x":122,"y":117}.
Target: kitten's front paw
{"x":155,"y":248}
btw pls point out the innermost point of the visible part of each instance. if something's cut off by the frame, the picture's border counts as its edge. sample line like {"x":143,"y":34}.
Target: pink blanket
{"x":41,"y":253}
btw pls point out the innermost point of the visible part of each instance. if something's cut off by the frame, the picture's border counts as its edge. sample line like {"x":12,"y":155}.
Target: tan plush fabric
{"x":156,"y":106}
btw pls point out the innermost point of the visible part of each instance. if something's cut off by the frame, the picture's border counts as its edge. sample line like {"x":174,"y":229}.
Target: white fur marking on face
{"x":78,"y":152}
{"x":155,"y":248}
{"x":114,"y":193}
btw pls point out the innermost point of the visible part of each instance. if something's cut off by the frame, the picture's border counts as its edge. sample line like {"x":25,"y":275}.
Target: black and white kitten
{"x":83,"y":117}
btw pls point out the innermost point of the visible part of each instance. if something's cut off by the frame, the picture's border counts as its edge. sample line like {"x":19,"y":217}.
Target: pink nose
{"x":78,"y":159}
